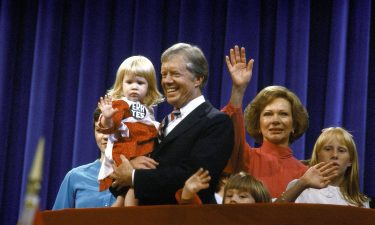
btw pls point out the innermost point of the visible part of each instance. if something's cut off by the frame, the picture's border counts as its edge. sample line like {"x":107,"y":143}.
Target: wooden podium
{"x":266,"y":213}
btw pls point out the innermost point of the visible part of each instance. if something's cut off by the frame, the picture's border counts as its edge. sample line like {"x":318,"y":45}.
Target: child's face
{"x":235,"y":196}
{"x":134,"y":87}
{"x":335,"y":151}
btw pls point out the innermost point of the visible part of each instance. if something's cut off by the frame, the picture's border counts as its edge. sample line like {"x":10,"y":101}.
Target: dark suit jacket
{"x":203,"y":139}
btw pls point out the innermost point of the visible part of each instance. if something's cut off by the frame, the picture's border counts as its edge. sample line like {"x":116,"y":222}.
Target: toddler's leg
{"x":130,"y":199}
{"x":120,"y":201}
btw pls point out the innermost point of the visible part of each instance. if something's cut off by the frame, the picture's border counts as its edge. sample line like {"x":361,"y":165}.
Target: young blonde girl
{"x":333,"y":177}
{"x":127,"y":114}
{"x":137,"y":66}
{"x":241,"y":188}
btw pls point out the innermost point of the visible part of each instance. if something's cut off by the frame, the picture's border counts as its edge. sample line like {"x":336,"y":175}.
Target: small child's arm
{"x":317,"y":176}
{"x":198,"y":181}
{"x":105,"y":105}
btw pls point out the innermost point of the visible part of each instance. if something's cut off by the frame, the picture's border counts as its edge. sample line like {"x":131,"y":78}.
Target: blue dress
{"x":80,"y":189}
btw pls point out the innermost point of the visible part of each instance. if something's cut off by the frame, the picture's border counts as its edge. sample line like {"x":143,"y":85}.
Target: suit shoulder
{"x":217,"y":113}
{"x":214,"y":110}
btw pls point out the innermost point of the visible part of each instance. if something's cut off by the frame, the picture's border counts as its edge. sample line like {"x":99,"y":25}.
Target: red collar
{"x":276,"y":150}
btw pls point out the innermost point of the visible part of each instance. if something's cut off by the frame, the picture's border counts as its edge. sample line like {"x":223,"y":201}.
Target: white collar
{"x":190,"y":106}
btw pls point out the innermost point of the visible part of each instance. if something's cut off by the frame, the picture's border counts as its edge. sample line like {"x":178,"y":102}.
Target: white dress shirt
{"x":185,"y":111}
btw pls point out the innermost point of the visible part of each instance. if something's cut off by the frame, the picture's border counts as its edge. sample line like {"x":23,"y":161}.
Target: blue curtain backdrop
{"x":57,"y":57}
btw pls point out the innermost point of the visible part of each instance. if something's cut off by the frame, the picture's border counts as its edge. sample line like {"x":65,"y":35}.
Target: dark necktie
{"x":164,"y":123}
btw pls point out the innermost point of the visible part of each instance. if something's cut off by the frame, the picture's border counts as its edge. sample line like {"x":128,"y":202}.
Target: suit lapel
{"x":185,"y":124}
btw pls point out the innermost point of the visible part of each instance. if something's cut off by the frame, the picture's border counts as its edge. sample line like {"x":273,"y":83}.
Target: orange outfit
{"x":133,"y":133}
{"x":275,"y":166}
{"x":195,"y":201}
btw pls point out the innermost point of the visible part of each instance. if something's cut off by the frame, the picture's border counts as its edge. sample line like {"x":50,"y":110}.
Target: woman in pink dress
{"x":275,"y":118}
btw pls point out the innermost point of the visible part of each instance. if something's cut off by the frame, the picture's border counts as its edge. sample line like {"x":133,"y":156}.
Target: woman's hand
{"x":240,"y":73}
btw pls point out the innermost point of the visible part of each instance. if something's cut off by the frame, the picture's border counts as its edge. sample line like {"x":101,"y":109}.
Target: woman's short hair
{"x":137,"y":66}
{"x":96,"y":116}
{"x":245,"y":182}
{"x":196,"y":62}
{"x":266,"y":96}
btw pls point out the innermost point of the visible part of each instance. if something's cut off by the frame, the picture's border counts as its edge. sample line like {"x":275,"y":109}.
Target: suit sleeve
{"x":207,"y":144}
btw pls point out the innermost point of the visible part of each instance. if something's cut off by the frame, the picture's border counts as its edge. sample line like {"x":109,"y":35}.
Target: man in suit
{"x":200,"y":137}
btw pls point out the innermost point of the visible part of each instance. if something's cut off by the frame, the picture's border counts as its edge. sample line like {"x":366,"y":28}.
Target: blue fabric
{"x":80,"y":189}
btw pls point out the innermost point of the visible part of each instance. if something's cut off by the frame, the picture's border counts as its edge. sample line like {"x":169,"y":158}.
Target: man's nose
{"x":167,"y":78}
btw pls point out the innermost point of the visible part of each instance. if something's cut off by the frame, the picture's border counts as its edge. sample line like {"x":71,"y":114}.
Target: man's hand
{"x":122,"y":174}
{"x":143,"y":162}
{"x":240,"y":73}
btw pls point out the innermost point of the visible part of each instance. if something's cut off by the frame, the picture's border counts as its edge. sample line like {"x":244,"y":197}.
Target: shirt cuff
{"x":133,"y":172}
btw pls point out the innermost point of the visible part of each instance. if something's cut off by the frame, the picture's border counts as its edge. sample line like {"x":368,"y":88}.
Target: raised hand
{"x":317,"y":176}
{"x":198,"y":181}
{"x":320,"y":175}
{"x":240,"y":72}
{"x":105,"y":105}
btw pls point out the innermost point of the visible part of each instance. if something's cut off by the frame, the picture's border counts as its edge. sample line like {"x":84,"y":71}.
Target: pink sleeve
{"x":239,"y":159}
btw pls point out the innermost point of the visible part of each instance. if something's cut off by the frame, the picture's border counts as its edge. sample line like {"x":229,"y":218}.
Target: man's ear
{"x":198,"y":81}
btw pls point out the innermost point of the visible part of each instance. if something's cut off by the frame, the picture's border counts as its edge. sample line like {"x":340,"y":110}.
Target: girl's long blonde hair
{"x":137,"y":66}
{"x":350,"y":186}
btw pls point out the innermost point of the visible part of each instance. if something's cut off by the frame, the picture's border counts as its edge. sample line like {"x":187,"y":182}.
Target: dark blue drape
{"x":57,"y":57}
